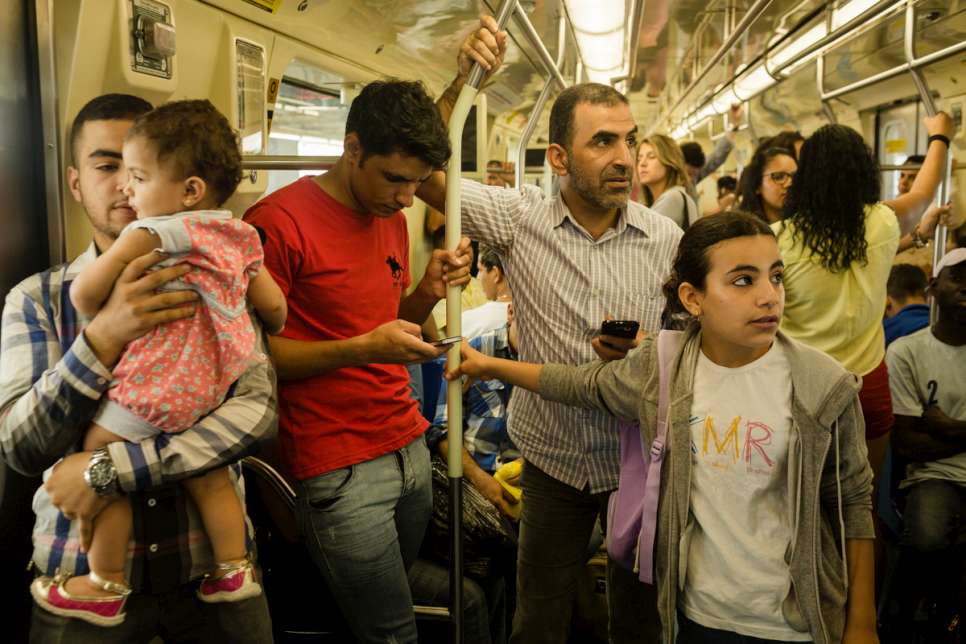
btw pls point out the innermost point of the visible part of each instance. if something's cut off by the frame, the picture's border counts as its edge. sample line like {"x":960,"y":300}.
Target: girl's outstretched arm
{"x":613,"y":387}
{"x":860,"y":607}
{"x":484,"y":367}
{"x":93,"y":285}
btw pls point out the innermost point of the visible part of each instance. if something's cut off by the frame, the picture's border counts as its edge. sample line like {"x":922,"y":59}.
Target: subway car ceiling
{"x":285,"y":70}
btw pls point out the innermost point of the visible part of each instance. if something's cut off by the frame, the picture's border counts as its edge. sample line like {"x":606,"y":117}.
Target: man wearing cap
{"x":927,"y":376}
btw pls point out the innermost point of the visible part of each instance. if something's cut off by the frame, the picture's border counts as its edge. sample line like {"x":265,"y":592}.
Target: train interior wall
{"x":93,"y":56}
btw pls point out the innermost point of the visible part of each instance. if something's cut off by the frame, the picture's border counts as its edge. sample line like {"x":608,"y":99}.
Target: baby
{"x":183,"y":163}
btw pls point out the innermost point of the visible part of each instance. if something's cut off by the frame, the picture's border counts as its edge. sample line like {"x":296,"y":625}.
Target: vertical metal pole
{"x":528,"y":131}
{"x":454,"y":393}
{"x":539,"y":105}
{"x":942,"y":194}
{"x":43,"y":14}
{"x":820,"y":77}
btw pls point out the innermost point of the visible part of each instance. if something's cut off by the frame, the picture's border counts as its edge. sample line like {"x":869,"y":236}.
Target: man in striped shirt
{"x":54,"y":368}
{"x":572,"y":260}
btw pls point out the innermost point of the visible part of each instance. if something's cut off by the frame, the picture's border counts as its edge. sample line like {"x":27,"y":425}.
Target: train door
{"x":23,"y":251}
{"x":899,"y":134}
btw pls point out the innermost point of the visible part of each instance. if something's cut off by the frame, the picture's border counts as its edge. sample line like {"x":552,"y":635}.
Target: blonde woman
{"x":664,"y":180}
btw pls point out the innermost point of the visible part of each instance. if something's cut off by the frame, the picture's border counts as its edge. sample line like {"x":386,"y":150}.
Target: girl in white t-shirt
{"x":764,"y":530}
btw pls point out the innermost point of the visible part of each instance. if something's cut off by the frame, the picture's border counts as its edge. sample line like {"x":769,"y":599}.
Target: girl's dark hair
{"x":692,"y":262}
{"x":490,"y":258}
{"x":752,"y":176}
{"x":786,"y":139}
{"x":837,"y":178}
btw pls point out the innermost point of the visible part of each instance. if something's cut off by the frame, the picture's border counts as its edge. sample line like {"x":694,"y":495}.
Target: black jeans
{"x":555,"y":528}
{"x":693,"y":633}
{"x":933,"y":549}
{"x":177,"y":616}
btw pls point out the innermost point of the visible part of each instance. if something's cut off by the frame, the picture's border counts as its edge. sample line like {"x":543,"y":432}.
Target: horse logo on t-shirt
{"x":394,"y":267}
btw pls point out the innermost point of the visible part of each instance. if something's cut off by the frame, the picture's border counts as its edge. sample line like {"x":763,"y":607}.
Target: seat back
{"x":301,"y":606}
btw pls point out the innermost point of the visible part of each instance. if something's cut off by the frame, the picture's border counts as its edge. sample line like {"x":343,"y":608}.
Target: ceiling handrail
{"x":754,"y":12}
{"x":877,"y":13}
{"x":530,"y":32}
{"x":537,"y":110}
{"x":286,"y":162}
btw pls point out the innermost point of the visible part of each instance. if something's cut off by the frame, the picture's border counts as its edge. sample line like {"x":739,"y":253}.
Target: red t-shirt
{"x":343,"y":275}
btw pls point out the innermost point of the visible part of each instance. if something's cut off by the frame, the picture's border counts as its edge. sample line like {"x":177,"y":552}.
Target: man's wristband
{"x":917,"y":240}
{"x":939,"y":137}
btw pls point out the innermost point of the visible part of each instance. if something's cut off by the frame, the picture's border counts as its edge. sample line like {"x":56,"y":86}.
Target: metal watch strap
{"x":99,"y":456}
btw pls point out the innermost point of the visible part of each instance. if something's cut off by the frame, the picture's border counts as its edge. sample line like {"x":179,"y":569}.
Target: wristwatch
{"x":917,"y":240}
{"x":101,"y":474}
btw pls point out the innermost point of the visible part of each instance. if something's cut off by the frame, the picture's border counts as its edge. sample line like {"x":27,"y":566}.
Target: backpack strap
{"x":667,"y":343}
{"x":687,"y":211}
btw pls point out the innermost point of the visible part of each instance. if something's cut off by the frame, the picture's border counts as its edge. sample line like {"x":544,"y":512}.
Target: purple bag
{"x":632,"y":508}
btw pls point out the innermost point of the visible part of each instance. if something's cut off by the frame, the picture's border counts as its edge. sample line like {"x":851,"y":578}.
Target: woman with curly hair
{"x":765,"y":182}
{"x":838,"y":241}
{"x":665,"y":181}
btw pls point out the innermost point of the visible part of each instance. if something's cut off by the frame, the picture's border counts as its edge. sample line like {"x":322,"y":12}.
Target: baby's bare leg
{"x":221,"y":512}
{"x":107,"y":555}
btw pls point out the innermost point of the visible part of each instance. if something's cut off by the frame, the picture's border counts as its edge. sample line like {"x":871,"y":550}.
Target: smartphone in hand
{"x":445,"y":342}
{"x":620,"y":328}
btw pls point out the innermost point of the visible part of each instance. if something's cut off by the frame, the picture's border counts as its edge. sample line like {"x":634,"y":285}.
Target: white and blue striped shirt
{"x":564,"y":283}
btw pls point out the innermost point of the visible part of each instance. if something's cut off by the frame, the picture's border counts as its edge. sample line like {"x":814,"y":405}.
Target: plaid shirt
{"x":564,"y":283}
{"x":50,"y":387}
{"x":485,"y":410}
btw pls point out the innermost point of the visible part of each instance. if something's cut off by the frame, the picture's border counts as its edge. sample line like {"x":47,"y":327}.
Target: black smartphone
{"x":445,"y":342}
{"x":620,"y":328}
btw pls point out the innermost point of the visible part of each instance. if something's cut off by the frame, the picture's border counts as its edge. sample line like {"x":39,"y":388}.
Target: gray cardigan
{"x":678,"y":206}
{"x":830,"y":481}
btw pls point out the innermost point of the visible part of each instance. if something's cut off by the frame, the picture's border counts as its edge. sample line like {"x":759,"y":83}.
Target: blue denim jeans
{"x":363,"y":525}
{"x":935,"y":517}
{"x":934,"y":549}
{"x":484,"y":607}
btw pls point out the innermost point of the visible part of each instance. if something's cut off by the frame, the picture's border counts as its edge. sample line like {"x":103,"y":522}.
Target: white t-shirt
{"x":486,"y":317}
{"x":740,"y":529}
{"x":924,"y":371}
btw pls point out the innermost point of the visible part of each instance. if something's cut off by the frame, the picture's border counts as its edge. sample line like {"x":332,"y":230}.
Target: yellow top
{"x":471,"y":297}
{"x":840,"y":313}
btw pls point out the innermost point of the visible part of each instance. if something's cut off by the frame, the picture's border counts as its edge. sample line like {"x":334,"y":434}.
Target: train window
{"x":939,"y":24}
{"x":308,"y":119}
{"x":899,"y":135}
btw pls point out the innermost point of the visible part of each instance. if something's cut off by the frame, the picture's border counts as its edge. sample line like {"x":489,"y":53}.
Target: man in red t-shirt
{"x":350,"y":433}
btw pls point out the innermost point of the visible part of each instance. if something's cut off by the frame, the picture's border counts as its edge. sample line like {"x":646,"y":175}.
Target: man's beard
{"x":595,"y":193}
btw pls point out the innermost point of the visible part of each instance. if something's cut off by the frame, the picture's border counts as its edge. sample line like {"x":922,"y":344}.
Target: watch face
{"x":101,"y":474}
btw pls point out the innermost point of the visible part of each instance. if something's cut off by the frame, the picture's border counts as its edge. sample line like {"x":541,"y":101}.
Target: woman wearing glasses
{"x":765,"y":182}
{"x":838,"y":241}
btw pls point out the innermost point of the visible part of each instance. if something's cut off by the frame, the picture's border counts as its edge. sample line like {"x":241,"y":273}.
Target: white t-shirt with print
{"x":486,"y":317}
{"x":740,"y":528}
{"x":924,"y":371}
